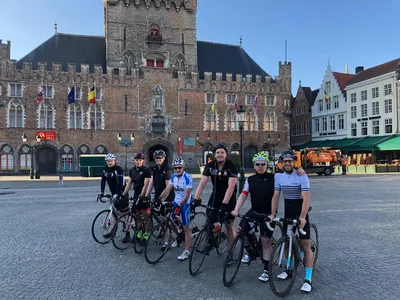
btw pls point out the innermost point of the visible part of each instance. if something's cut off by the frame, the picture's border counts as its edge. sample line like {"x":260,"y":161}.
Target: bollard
{"x":61,"y":179}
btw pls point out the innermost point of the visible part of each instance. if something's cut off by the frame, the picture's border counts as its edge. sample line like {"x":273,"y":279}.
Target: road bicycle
{"x":103,"y":220}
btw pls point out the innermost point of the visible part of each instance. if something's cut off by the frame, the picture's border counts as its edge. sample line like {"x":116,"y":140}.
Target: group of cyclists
{"x":176,"y":186}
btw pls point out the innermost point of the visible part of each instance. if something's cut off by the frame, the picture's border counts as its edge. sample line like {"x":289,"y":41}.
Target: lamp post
{"x":198,"y":138}
{"x":25,"y":140}
{"x":126,"y":143}
{"x":240,"y":117}
{"x":273,"y":142}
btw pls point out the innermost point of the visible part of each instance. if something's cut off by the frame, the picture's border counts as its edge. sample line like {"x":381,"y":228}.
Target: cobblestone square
{"x":47,"y":251}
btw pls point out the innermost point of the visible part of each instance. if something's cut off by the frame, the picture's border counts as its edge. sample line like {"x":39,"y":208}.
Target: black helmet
{"x":139,"y":155}
{"x":159,"y":153}
{"x":221,"y":145}
{"x":288,"y":154}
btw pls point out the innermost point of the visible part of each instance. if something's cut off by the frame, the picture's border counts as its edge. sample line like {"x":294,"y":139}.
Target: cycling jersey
{"x":160,"y":175}
{"x":181,"y":183}
{"x":114,"y":176}
{"x":220,"y":180}
{"x":261,"y":189}
{"x":138,"y":176}
{"x":292,"y":185}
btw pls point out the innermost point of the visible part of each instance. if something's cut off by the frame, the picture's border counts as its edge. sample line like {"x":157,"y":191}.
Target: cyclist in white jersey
{"x":296,"y":192}
{"x":182,"y":183}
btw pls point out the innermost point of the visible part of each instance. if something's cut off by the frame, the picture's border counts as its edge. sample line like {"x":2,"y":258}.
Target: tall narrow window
{"x":95,"y":116}
{"x":75,"y":119}
{"x":15,"y":114}
{"x":46,"y":114}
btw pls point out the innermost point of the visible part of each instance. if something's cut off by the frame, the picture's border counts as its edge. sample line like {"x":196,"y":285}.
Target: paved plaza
{"x":47,"y":251}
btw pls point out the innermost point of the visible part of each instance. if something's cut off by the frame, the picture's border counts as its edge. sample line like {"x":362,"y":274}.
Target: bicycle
{"x":254,"y":248}
{"x":104,"y":221}
{"x":160,"y":237}
{"x":288,"y":246}
{"x":210,"y":237}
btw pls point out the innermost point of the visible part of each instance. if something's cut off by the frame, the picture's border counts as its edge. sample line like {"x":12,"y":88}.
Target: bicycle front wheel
{"x":158,"y":243}
{"x":141,"y":234}
{"x":314,"y":240}
{"x":123,"y":226}
{"x":233,"y":260}
{"x":201,"y":248}
{"x":282,"y":270}
{"x":102,"y":226}
{"x":222,"y":241}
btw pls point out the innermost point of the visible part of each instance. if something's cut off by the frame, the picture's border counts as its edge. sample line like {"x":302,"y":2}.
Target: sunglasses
{"x":288,"y":161}
{"x":159,"y":157}
{"x":260,"y":164}
{"x":177,"y":168}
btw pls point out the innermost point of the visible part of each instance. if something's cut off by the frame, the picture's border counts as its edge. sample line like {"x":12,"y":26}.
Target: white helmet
{"x":110,"y":156}
{"x":178,"y":161}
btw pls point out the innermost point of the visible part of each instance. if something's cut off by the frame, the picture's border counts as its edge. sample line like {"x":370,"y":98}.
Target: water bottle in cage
{"x":217,"y":228}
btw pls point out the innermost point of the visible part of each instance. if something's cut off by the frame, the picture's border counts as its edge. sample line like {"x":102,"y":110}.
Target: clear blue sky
{"x":361,"y":32}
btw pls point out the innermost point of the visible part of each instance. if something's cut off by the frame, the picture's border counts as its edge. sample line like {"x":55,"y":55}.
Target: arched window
{"x":6,"y":158}
{"x":129,"y":62}
{"x":75,"y":116}
{"x":82,"y":149}
{"x":67,"y":158}
{"x":15,"y":114}
{"x":269,"y":121}
{"x":100,"y":149}
{"x":95,"y":117}
{"x":179,"y":62}
{"x":251,"y":120}
{"x":210,"y":120}
{"x":25,"y":158}
{"x":46,"y":114}
{"x":231,"y":123}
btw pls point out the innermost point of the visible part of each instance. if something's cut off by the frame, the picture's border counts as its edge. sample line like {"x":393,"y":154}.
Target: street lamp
{"x":126,"y":143}
{"x":198,"y":138}
{"x":25,"y":140}
{"x":273,"y":142}
{"x":241,"y":118}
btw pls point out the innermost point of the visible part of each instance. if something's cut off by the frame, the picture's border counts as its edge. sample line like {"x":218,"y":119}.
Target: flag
{"x":235,"y":104}
{"x":40,"y":94}
{"x":326,"y":96}
{"x":213,"y":107}
{"x":71,"y":95}
{"x":255,"y":104}
{"x":92,"y":96}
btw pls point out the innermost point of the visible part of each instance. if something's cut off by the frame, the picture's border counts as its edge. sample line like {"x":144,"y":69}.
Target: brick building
{"x":152,"y":79}
{"x":300,"y":132}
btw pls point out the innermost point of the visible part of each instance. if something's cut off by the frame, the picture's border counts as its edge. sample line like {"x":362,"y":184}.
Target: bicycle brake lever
{"x":302,"y":231}
{"x":269,"y":227}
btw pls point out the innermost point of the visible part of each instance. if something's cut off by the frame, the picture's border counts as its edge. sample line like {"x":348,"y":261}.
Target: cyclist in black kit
{"x":114,"y":176}
{"x":223,"y":174}
{"x":160,"y":177}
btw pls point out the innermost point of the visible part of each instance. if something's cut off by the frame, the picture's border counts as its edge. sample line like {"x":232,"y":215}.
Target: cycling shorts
{"x":293,"y":210}
{"x":246,"y":225}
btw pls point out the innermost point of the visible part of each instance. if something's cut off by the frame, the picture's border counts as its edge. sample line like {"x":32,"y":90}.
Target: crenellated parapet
{"x":188,"y":5}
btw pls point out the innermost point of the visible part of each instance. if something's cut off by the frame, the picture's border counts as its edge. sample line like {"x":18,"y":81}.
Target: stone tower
{"x":151,"y":33}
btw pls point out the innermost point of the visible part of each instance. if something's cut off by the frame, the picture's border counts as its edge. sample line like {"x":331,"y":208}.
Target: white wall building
{"x":329,"y":118}
{"x":373,"y":101}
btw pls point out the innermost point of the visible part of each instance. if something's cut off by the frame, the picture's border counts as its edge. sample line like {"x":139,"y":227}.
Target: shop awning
{"x":328,"y":143}
{"x":309,"y":144}
{"x":344,"y":143}
{"x":389,"y":145}
{"x":366,"y":144}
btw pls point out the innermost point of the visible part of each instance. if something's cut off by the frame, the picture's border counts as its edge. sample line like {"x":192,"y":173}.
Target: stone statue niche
{"x":158,"y":100}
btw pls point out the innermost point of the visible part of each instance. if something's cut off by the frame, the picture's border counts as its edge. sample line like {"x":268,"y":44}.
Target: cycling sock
{"x":146,"y":235}
{"x":139,"y":234}
{"x":266,"y":265}
{"x":308,"y":274}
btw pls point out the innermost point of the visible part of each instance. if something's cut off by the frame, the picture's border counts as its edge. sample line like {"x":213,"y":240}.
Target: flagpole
{"x":95,"y":106}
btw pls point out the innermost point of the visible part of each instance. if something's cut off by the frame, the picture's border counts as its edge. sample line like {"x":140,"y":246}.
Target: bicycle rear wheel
{"x":102,"y":225}
{"x":201,"y":248}
{"x":155,"y":248}
{"x":233,"y":260}
{"x":197,"y":221}
{"x":282,"y":272}
{"x":314,"y":240}
{"x":121,"y":229}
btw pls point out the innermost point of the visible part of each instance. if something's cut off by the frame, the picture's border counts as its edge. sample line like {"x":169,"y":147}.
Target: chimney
{"x":359,"y":69}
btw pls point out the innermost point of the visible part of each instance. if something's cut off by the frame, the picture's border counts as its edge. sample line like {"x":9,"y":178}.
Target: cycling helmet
{"x":288,"y":154}
{"x":221,"y":145}
{"x":139,"y":155}
{"x":159,"y":153}
{"x":178,"y":161}
{"x":110,"y":156}
{"x":260,"y":156}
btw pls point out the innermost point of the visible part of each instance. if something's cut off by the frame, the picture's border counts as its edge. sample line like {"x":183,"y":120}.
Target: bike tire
{"x":273,"y":279}
{"x":121,"y":222}
{"x":229,"y":258}
{"x":102,"y":240}
{"x":199,"y":250}
{"x":139,"y":245}
{"x":314,"y":240}
{"x":156,"y":235}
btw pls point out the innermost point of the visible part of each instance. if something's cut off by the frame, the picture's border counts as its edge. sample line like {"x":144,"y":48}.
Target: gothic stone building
{"x":152,"y":79}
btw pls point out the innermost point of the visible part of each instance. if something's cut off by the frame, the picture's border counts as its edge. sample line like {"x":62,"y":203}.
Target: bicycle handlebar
{"x":101,"y":197}
{"x":295,"y":221}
